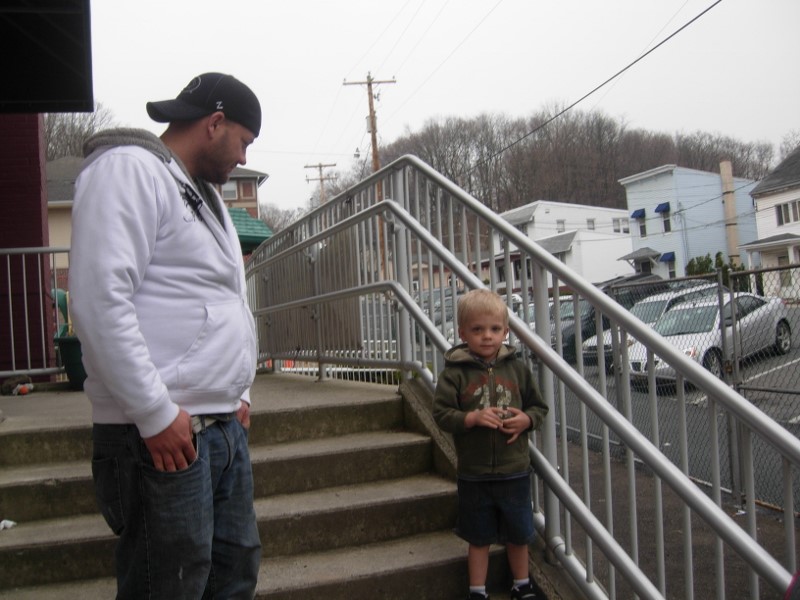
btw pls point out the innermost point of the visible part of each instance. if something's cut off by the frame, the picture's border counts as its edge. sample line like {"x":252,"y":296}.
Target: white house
{"x":585,"y":238}
{"x":777,"y":200}
{"x":678,"y":214}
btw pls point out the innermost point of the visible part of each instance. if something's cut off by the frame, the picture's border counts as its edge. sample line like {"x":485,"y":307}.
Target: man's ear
{"x":214,"y":120}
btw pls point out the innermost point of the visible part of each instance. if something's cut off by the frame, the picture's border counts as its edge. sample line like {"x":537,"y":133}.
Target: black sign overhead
{"x":47,"y":64}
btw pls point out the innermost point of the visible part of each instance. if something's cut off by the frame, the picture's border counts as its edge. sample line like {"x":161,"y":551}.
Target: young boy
{"x":487,"y":399}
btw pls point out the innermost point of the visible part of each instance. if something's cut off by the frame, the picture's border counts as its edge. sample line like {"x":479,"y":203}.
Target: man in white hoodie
{"x":158,"y":301}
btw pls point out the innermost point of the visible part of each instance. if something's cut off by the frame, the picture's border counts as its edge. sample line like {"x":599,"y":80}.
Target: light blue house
{"x":677,"y":214}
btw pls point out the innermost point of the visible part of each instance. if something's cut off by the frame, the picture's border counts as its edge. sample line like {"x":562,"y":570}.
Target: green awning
{"x":251,"y":231}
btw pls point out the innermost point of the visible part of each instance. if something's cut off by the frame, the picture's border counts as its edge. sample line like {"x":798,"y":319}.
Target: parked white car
{"x":694,"y":328}
{"x":647,"y":310}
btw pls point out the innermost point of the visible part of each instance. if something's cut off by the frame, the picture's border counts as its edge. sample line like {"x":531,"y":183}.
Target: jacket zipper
{"x":493,"y":402}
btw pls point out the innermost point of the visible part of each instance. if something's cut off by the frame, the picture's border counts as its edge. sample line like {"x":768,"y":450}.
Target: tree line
{"x":578,"y":157}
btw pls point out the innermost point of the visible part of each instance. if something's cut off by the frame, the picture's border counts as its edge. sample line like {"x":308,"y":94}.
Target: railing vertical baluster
{"x":686,"y":513}
{"x":750,"y":501}
{"x":658,"y":499}
{"x":789,"y":517}
{"x":716,"y":496}
{"x":549,"y":449}
{"x":402,"y":258}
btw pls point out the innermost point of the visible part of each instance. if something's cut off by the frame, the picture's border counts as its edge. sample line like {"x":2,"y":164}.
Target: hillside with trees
{"x":578,"y":157}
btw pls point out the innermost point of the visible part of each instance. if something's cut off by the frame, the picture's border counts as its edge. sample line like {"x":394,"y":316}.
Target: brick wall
{"x":23,"y":206}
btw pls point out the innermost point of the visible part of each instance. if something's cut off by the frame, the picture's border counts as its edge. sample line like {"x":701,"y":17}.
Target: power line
{"x":582,"y":98}
{"x":441,"y":64}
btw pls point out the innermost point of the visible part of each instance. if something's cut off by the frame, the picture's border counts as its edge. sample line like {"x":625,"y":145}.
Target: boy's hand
{"x":491,"y":417}
{"x":515,"y":423}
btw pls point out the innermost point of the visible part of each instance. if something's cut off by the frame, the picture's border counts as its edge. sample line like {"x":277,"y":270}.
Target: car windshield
{"x":649,"y":312}
{"x":681,"y":321}
{"x":568,"y":308}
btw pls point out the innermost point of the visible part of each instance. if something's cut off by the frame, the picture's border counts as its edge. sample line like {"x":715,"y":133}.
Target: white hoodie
{"x":157,"y":295}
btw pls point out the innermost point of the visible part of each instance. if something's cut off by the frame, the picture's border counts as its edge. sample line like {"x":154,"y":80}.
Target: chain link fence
{"x":743,"y":330}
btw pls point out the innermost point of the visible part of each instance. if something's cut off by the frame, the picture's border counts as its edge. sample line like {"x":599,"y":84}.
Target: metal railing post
{"x":549,"y":441}
{"x":402,"y":260}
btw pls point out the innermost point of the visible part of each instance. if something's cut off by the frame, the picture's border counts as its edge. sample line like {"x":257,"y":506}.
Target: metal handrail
{"x":387,"y":226}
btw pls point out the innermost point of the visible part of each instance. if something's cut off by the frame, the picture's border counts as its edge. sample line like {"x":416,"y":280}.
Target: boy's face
{"x":484,"y":334}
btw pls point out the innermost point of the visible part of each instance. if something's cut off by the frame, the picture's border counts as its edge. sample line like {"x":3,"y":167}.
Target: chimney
{"x":729,"y":203}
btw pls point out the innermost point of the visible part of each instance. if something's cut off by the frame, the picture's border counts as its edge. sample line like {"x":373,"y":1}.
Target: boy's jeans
{"x":186,"y":535}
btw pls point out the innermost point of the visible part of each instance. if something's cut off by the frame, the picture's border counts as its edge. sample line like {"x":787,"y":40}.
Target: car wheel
{"x":712,"y":361}
{"x":783,"y":338}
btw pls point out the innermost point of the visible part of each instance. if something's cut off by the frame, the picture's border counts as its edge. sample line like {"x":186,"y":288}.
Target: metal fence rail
{"x":369,"y":281}
{"x":29,"y":313}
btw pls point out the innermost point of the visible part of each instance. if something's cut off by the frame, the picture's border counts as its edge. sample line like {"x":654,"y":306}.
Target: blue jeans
{"x":190,"y":534}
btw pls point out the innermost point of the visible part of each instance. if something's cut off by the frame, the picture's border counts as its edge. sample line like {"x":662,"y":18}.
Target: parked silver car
{"x":694,"y":328}
{"x":649,"y":311}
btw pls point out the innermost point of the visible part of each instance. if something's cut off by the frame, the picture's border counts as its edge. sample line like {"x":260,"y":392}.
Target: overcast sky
{"x":734,"y":71}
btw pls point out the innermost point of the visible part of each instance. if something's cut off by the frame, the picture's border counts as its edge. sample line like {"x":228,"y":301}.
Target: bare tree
{"x":278,"y":218}
{"x":569,"y":156}
{"x":704,"y":151}
{"x":789,"y":143}
{"x":65,"y":133}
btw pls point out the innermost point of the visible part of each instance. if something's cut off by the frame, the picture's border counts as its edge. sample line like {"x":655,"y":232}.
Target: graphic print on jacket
{"x":481,"y":393}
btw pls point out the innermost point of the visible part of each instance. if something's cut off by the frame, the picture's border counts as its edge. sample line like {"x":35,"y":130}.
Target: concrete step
{"x":45,"y":491}
{"x":55,"y":426}
{"x":338,"y":461}
{"x":350,"y":516}
{"x":40,"y":491}
{"x":347,"y":502}
{"x":429,"y":566}
{"x":49,"y":551}
{"x":58,"y":549}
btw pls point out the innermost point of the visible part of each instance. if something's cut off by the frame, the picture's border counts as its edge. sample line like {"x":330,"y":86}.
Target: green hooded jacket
{"x":468,"y":383}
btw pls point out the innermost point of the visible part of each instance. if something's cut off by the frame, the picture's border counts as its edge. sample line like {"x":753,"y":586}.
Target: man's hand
{"x":243,"y":414}
{"x":172,"y":449}
{"x":515,"y":423}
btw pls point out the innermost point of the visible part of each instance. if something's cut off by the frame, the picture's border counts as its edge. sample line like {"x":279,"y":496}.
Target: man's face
{"x":484,"y":334}
{"x":227,"y":149}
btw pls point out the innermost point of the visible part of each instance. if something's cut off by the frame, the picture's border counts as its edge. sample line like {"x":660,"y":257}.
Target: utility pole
{"x":376,"y":162}
{"x":321,"y":179}
{"x":372,"y":121}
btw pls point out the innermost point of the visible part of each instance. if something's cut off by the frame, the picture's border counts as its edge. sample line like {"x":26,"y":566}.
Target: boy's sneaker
{"x":527,"y":592}
{"x":477,"y":596}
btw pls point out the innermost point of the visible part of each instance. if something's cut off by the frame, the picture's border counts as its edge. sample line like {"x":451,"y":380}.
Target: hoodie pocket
{"x":222,"y":353}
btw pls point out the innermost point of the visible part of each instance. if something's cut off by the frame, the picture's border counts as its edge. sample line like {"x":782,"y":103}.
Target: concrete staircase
{"x":348,"y":501}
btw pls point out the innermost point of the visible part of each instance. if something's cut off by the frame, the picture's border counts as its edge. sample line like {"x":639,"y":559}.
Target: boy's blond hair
{"x":481,"y":302}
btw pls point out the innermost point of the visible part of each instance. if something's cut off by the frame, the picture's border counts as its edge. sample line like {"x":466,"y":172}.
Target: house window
{"x":667,"y":222}
{"x":561,"y":225}
{"x":248,"y":189}
{"x":642,"y":228}
{"x":620,"y":225}
{"x":229,"y":191}
{"x":671,"y":269}
{"x":590,"y":224}
{"x":788,"y":212}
